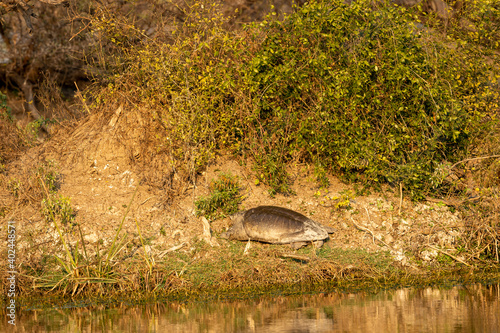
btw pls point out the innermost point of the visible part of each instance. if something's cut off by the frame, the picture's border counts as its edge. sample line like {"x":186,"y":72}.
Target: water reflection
{"x":474,"y":308}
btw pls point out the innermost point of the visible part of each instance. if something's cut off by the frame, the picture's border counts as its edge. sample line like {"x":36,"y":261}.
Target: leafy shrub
{"x":367,"y":93}
{"x":223,"y":200}
{"x":187,"y":85}
{"x":5,"y":111}
{"x":480,"y":24}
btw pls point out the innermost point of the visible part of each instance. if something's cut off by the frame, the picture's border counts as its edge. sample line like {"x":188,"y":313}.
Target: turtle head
{"x":237,"y":230}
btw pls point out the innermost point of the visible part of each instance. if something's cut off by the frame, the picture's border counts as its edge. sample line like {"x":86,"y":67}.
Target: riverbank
{"x":347,"y":284}
{"x":393,"y":146}
{"x":129,"y":244}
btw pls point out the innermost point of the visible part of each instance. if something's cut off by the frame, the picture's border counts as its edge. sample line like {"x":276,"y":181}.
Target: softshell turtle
{"x":276,"y":225}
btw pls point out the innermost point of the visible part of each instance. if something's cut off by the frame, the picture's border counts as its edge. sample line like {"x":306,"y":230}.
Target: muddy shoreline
{"x":442,"y":279}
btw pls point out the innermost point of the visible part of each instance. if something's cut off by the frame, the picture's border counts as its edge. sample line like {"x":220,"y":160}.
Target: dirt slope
{"x":106,"y":158}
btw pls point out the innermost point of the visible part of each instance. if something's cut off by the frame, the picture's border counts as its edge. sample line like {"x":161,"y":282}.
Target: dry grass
{"x":482,"y":220}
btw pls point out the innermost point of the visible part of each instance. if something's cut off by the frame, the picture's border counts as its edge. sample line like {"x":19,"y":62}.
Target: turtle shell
{"x":279,"y":225}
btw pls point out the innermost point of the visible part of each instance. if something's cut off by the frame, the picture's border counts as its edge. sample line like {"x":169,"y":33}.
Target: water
{"x":473,"y":308}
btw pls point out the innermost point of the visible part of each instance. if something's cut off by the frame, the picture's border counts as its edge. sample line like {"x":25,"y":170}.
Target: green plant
{"x":223,"y":199}
{"x":48,"y":176}
{"x":343,"y":201}
{"x":378,"y":101}
{"x":481,"y":28}
{"x":74,"y":274}
{"x":270,"y":170}
{"x":321,"y":175}
{"x":5,"y":110}
{"x":58,"y":207}
{"x":14,"y":186}
{"x":32,"y":130}
{"x":363,"y":91}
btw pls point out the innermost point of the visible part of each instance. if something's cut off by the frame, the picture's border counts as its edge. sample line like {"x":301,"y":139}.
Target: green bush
{"x":223,"y":200}
{"x":479,"y":24}
{"x":367,"y":93}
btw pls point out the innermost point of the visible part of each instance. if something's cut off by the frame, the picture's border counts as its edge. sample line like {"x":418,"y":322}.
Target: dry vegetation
{"x":110,"y":196}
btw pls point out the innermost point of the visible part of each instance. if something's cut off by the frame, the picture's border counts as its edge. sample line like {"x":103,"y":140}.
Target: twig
{"x":452,"y":202}
{"x":80,"y":96}
{"x":29,"y":105}
{"x":449,"y":255}
{"x":371,"y":233}
{"x":294,"y":256}
{"x":496,"y":249}
{"x":142,"y":203}
{"x":473,"y":159}
{"x":82,"y":29}
{"x":400,"y":197}
{"x":247,"y":247}
{"x":172,"y":249}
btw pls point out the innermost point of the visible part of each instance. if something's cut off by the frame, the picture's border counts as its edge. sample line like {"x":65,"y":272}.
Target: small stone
{"x":388,"y":239}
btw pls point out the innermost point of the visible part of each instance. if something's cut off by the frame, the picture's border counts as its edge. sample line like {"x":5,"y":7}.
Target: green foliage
{"x":14,"y":186}
{"x":444,"y":259}
{"x":5,"y":111}
{"x":41,"y":184}
{"x":30,"y":133}
{"x":187,"y":85}
{"x":78,"y":270}
{"x":480,"y":25}
{"x":270,"y":170}
{"x":48,"y":176}
{"x":343,"y":201}
{"x":223,"y":200}
{"x":58,"y":207}
{"x":365,"y":92}
{"x":321,"y":175}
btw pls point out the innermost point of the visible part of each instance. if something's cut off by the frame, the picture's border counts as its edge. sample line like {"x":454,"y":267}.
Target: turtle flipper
{"x":298,"y":245}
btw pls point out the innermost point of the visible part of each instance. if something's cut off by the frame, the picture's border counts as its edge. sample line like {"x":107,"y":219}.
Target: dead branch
{"x":172,"y":249}
{"x":452,"y":202}
{"x":474,"y":159}
{"x":297,"y":257}
{"x":449,"y":255}
{"x":371,"y":233}
{"x":25,"y":9}
{"x":29,"y":105}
